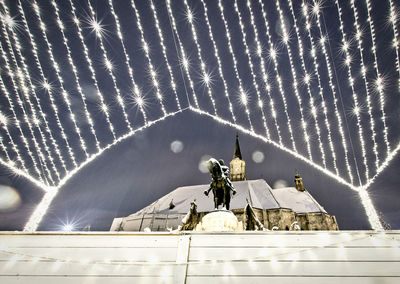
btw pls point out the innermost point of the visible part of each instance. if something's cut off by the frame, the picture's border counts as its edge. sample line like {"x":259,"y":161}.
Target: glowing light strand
{"x":153,"y":73}
{"x":364,"y":75}
{"x":76,"y":74}
{"x":263,"y":73}
{"x":320,"y":88}
{"x":25,"y":91}
{"x":253,"y":75}
{"x":279,"y":146}
{"x":370,"y":210}
{"x":285,"y":36}
{"x":379,"y":77}
{"x":164,"y":51}
{"x":217,"y":57}
{"x":119,"y":98}
{"x":40,"y":210}
{"x":18,"y":49}
{"x":43,"y":117}
{"x":39,"y":65}
{"x":22,"y":173}
{"x":364,"y":196}
{"x":383,"y":166}
{"x":278,"y":77}
{"x":325,"y":110}
{"x":12,"y":108}
{"x":332,"y":87}
{"x":184,"y":58}
{"x":355,"y":96}
{"x":199,"y":54}
{"x":12,"y":142}
{"x":229,"y":37}
{"x":307,"y":79}
{"x":135,"y":86}
{"x":56,"y":68}
{"x":4,"y":148}
{"x":92,"y":70}
{"x":396,"y":38}
{"x":51,"y":192}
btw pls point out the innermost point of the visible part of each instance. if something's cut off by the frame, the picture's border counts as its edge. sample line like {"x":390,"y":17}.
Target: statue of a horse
{"x":220,"y":185}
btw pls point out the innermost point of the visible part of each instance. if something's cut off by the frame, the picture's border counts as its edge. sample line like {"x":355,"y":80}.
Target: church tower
{"x":237,"y":165}
{"x":299,"y":182}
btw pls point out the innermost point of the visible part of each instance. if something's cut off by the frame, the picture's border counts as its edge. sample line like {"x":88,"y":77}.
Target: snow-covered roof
{"x":259,"y":194}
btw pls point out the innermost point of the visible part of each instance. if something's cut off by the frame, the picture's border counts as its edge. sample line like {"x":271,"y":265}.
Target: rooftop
{"x":258,"y":193}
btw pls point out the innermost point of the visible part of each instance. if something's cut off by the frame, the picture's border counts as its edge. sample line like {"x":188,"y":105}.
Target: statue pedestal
{"x":220,"y":221}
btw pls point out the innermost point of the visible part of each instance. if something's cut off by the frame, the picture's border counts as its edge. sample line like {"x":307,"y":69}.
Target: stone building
{"x":256,"y":205}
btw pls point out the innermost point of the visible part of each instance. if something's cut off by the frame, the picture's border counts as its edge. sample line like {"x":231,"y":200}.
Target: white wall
{"x":246,"y":257}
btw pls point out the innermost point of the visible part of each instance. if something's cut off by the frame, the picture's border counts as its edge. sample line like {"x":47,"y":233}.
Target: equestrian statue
{"x":220,"y":185}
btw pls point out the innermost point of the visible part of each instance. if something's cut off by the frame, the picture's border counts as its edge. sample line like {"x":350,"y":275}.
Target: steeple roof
{"x":237,"y":153}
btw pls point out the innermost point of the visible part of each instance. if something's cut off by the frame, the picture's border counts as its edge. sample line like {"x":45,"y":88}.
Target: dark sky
{"x":143,"y":167}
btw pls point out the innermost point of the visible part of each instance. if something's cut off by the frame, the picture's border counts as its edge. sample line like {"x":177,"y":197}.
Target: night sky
{"x":154,"y":161}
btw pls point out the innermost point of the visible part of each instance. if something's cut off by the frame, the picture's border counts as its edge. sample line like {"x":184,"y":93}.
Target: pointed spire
{"x":237,"y":153}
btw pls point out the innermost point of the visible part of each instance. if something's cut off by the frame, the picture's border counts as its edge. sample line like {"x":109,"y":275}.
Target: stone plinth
{"x":219,"y":221}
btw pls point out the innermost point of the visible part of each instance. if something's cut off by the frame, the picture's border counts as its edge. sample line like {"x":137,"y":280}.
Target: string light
{"x":383,"y":166}
{"x":279,"y":146}
{"x":90,"y":65}
{"x":51,"y":192}
{"x":184,"y":59}
{"x":76,"y":74}
{"x":119,"y":98}
{"x":127,"y":58}
{"x":254,"y":77}
{"x":229,"y":37}
{"x":47,"y":86}
{"x":217,"y":57}
{"x":149,"y":61}
{"x":38,"y":104}
{"x":199,"y":54}
{"x":60,"y":80}
{"x":40,"y":210}
{"x":18,"y":123}
{"x":22,"y":172}
{"x":355,"y":96}
{"x":396,"y":37}
{"x":332,"y":87}
{"x":364,"y":75}
{"x":10,"y":137}
{"x":25,"y":91}
{"x":278,"y":76}
{"x":379,"y":77}
{"x":364,"y":196}
{"x":307,"y":79}
{"x":164,"y":50}
{"x":264,"y":74}
{"x":285,"y":35}
{"x":22,"y":76}
{"x":3,"y":147}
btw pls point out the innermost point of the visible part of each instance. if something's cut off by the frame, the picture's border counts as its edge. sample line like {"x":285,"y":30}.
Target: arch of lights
{"x":76,"y":80}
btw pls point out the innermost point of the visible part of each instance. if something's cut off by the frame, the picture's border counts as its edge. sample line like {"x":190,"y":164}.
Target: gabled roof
{"x":259,"y":194}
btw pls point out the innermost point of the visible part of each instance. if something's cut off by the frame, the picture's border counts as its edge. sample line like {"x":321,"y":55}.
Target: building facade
{"x":256,"y":206}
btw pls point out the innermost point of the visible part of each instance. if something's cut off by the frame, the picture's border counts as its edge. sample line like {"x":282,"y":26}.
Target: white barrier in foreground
{"x":195,"y":257}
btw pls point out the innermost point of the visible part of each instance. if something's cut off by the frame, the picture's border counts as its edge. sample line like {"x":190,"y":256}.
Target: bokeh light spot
{"x":258,"y":157}
{"x":177,"y":146}
{"x":203,"y":167}
{"x":9,"y":198}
